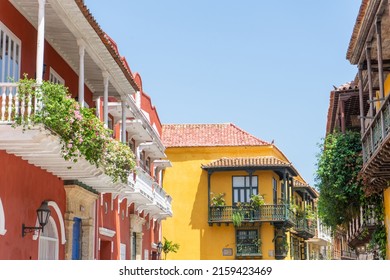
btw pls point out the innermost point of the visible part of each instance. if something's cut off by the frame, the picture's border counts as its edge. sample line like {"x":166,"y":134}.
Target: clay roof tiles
{"x":247,"y":162}
{"x":207,"y":135}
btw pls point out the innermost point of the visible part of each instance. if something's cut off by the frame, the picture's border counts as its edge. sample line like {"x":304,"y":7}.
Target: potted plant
{"x":217,"y":205}
{"x":218,"y":200}
{"x":256,"y":201}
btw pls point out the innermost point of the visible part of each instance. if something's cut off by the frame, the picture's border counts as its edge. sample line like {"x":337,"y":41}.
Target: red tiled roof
{"x":207,"y":135}
{"x":265,"y":161}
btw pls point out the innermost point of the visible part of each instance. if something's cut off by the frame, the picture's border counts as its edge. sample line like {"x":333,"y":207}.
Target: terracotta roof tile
{"x":207,"y":135}
{"x":263,"y":161}
{"x":108,"y":42}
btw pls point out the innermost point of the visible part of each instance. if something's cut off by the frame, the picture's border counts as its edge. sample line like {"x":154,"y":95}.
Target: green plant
{"x":237,"y":217}
{"x":218,"y":200}
{"x":310,"y":214}
{"x":81,"y":133}
{"x":168,"y":247}
{"x":337,"y":178}
{"x":256,"y":201}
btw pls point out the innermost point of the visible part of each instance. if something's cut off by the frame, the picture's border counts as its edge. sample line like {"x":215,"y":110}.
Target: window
{"x":10,"y":51}
{"x":123,"y":251}
{"x":48,"y":242}
{"x":275,"y":190}
{"x":55,"y":78}
{"x":247,"y":242}
{"x":282,"y":192}
{"x":242,"y":189}
{"x":2,"y":219}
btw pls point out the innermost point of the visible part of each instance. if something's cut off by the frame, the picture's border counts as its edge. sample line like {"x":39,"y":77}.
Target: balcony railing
{"x":266,"y":213}
{"x":42,"y":150}
{"x":376,"y":132}
{"x":305,"y":228}
{"x":147,"y":191}
{"x":360,"y":228}
{"x":248,"y":250}
{"x":12,"y":104}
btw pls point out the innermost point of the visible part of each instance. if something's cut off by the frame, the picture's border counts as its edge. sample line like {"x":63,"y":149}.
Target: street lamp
{"x":43,"y":213}
{"x":159,"y":249}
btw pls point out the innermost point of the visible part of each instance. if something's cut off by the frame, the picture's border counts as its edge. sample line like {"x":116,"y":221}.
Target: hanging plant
{"x":81,"y":133}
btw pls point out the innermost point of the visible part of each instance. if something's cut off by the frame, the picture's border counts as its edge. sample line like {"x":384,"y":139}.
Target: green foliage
{"x":256,"y":201}
{"x":337,"y":178}
{"x":218,"y":200}
{"x":81,"y":132}
{"x":310,"y":214}
{"x":378,"y":241}
{"x":169,"y":246}
{"x":237,"y":217}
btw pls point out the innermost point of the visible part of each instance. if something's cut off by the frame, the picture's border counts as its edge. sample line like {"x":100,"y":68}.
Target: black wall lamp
{"x":43,"y":213}
{"x":159,"y":249}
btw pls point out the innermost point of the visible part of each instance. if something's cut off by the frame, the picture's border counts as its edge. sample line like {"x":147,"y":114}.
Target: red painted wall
{"x":23,"y":187}
{"x":113,"y":220}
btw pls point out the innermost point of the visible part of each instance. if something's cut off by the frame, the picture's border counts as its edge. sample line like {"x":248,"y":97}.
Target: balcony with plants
{"x":306,"y":222}
{"x":254,"y":211}
{"x":45,"y":126}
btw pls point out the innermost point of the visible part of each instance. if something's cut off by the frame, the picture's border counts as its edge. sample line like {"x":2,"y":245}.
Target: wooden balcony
{"x":279,"y":213}
{"x":376,"y":148}
{"x":305,"y":228}
{"x":361,"y":227}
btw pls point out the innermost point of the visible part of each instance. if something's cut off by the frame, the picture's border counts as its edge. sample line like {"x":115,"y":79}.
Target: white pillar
{"x":105,"y":99}
{"x":123,"y":138}
{"x":40,"y":40}
{"x":81,"y":72}
{"x":138,"y":99}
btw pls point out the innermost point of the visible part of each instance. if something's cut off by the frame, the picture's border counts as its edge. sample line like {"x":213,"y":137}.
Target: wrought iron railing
{"x":265,"y":213}
{"x":247,"y":250}
{"x":306,"y":226}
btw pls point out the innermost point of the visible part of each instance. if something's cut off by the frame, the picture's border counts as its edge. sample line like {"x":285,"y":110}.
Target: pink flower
{"x":70,"y":145}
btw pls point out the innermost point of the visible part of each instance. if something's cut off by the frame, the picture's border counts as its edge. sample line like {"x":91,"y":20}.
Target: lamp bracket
{"x":26,"y":230}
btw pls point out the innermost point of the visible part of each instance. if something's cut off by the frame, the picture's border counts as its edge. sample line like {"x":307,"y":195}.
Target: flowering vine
{"x":81,"y":132}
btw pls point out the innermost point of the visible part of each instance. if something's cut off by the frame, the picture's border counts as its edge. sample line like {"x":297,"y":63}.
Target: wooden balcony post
{"x":361,"y":104}
{"x":378,"y":30}
{"x":369,"y":76}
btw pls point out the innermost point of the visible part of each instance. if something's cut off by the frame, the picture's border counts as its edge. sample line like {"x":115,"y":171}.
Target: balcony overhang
{"x":115,"y":109}
{"x":41,"y":148}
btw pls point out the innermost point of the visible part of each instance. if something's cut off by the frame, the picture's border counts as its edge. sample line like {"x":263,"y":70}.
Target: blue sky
{"x":266,"y":66}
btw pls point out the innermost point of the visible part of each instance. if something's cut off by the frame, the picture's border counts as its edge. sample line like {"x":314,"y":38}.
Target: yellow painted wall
{"x":187,"y":183}
{"x":386,"y":195}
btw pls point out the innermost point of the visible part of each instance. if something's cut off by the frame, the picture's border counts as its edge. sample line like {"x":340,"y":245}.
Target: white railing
{"x":323,"y":232}
{"x":152,"y":190}
{"x":13,"y":104}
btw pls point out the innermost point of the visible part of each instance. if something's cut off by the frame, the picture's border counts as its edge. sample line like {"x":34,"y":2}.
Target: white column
{"x":81,"y":72}
{"x":105,"y":99}
{"x":40,"y":40}
{"x":123,"y":138}
{"x":138,"y":99}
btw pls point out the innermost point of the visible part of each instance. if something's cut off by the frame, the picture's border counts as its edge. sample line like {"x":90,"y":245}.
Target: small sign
{"x":227,"y":252}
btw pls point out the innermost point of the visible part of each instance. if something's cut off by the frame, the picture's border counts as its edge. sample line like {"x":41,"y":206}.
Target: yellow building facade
{"x":221,"y":160}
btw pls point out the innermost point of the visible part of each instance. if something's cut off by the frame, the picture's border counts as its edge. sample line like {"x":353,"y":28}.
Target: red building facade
{"x":91,"y":217}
